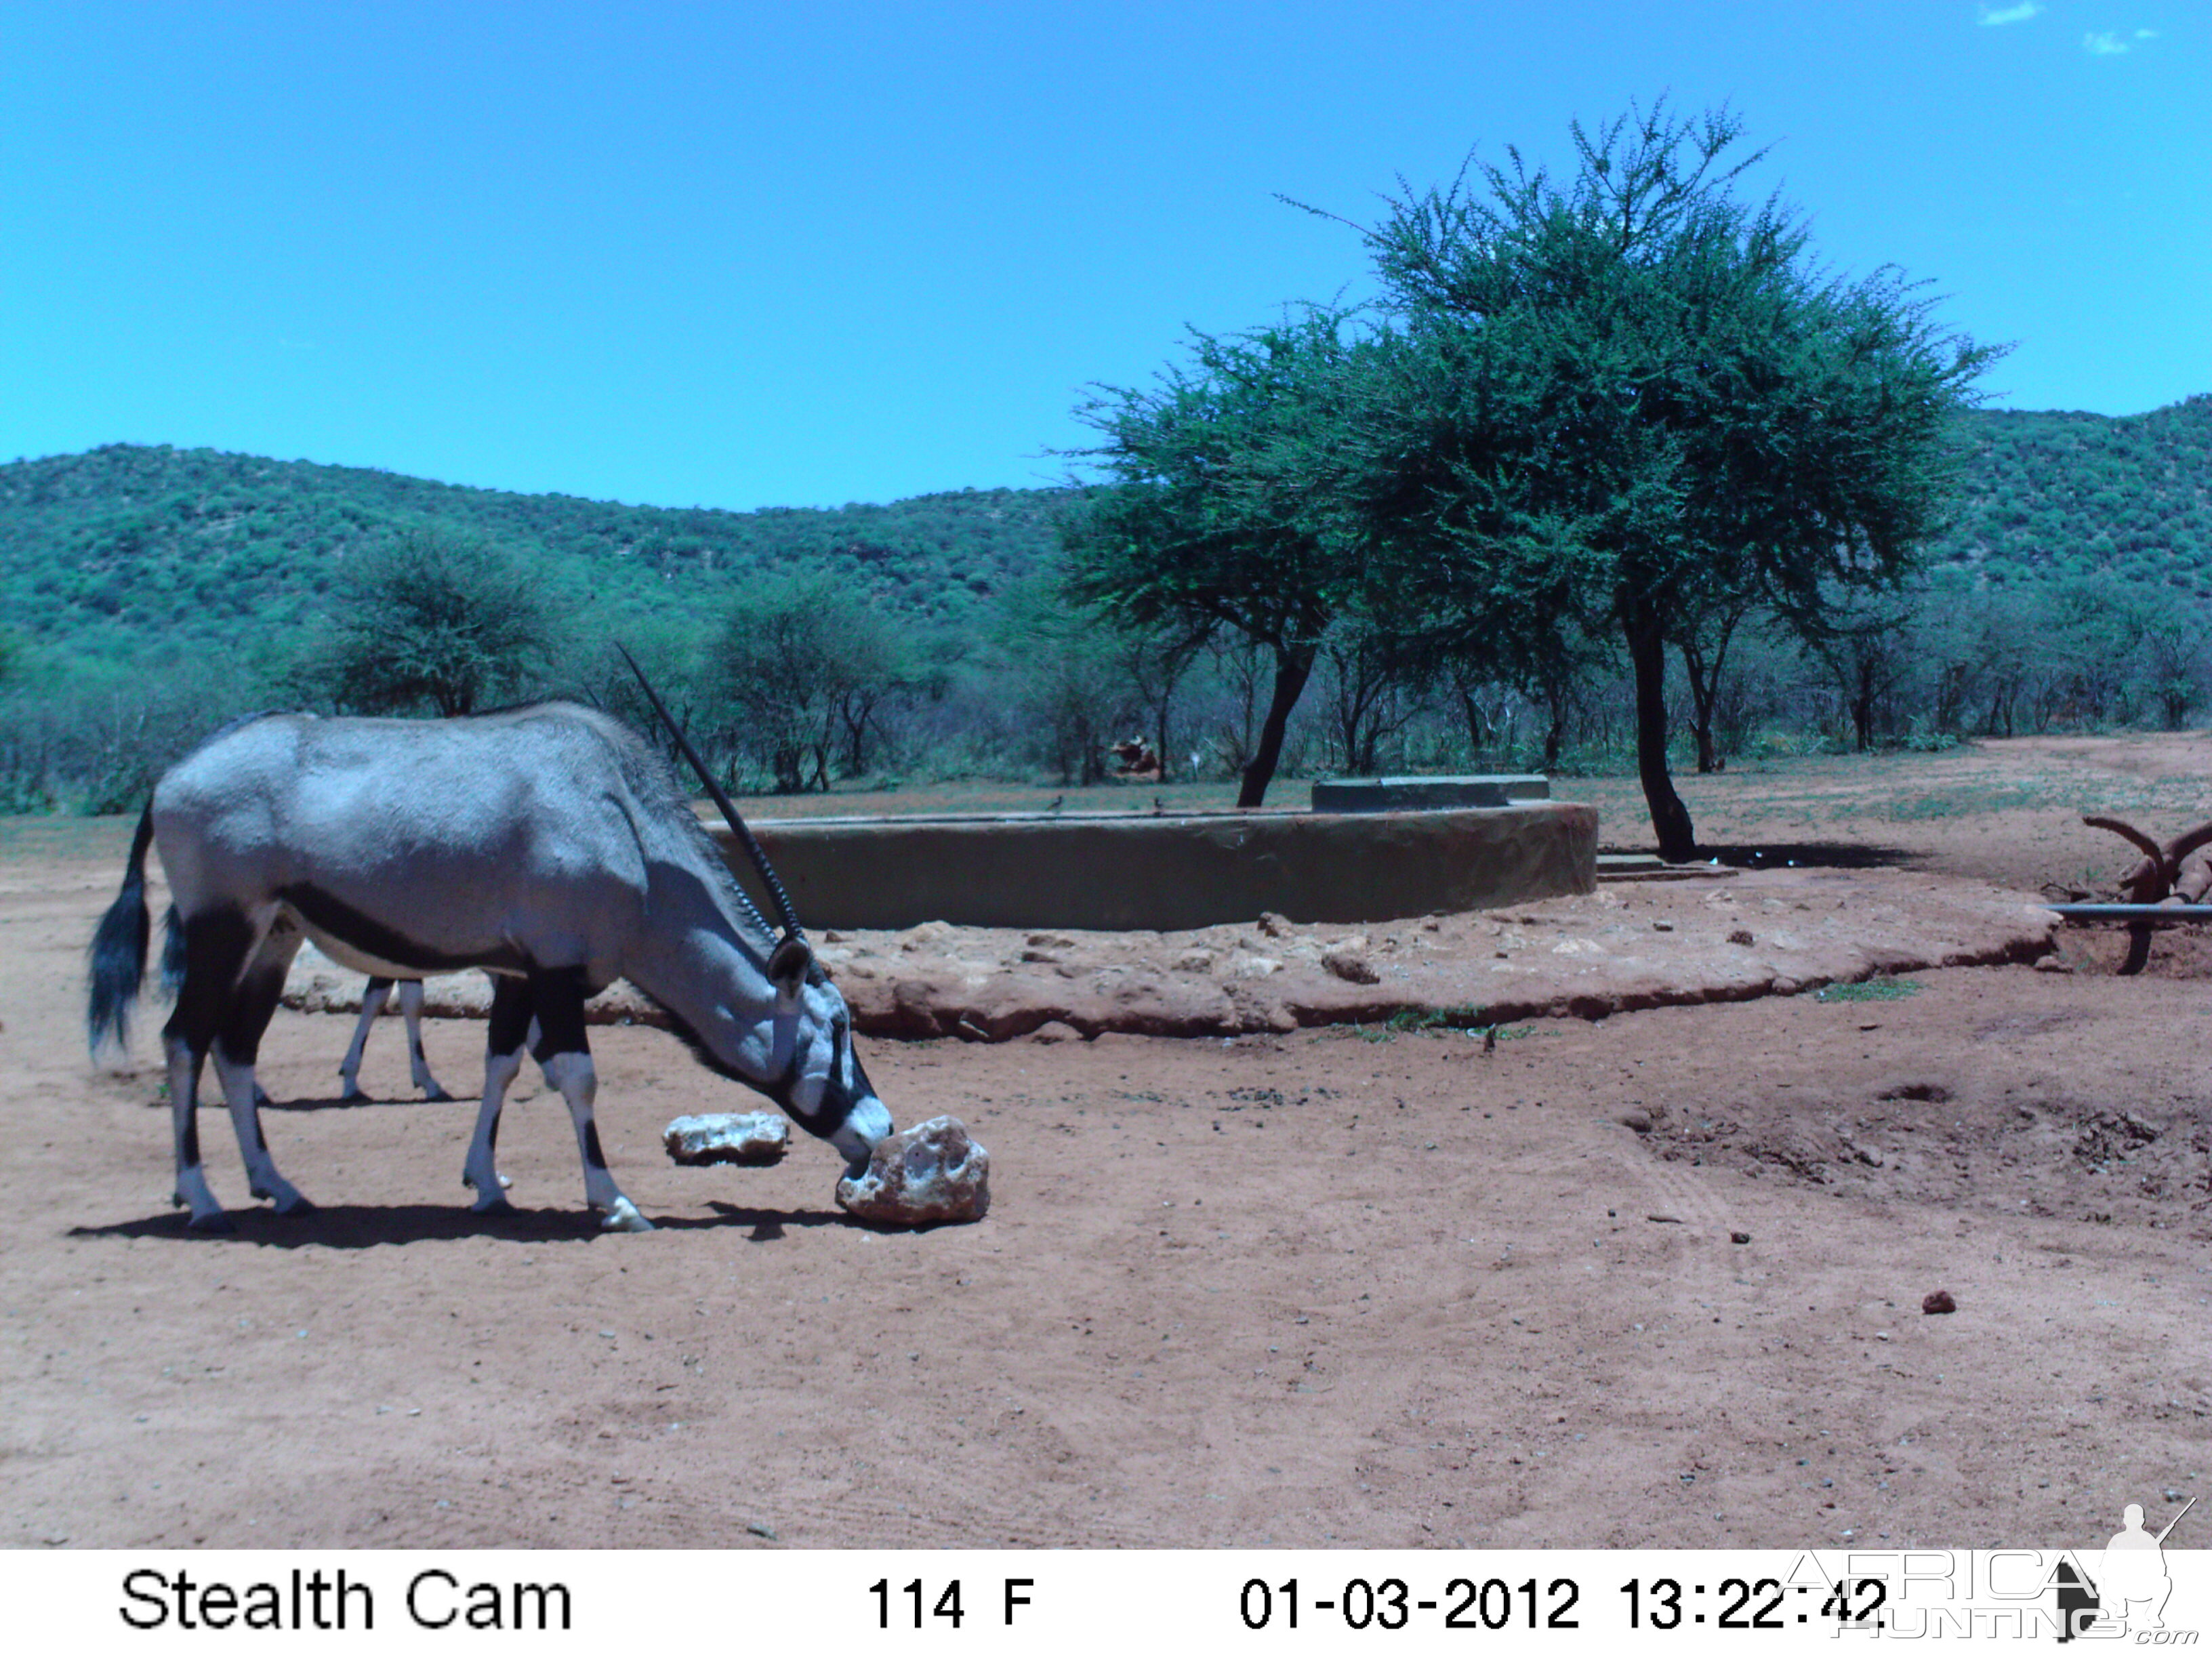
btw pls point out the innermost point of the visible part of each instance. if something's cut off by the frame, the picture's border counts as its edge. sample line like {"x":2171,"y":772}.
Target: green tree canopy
{"x":431,"y":620}
{"x":805,"y":664}
{"x":1210,"y":520}
{"x":1629,"y":400}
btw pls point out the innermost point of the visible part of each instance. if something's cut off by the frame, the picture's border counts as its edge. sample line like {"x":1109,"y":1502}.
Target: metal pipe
{"x":2132,"y":912}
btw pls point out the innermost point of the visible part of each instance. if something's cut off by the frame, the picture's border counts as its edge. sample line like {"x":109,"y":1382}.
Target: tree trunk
{"x":854,"y":710}
{"x":1670,"y":819}
{"x":1477,"y":733}
{"x":1701,"y":714}
{"x":1703,"y":694}
{"x":1094,"y":754}
{"x":1862,"y":701}
{"x":1704,"y":675}
{"x":1293,"y":667}
{"x":786,"y":762}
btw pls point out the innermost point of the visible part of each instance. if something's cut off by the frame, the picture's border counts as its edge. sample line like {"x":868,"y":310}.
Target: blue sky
{"x":742,"y":255}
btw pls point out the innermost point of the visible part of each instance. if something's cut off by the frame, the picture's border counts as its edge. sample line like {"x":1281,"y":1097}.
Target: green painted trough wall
{"x":1123,"y":872}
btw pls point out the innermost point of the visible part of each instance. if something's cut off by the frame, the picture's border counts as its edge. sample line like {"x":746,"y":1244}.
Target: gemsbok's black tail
{"x":116,"y":961}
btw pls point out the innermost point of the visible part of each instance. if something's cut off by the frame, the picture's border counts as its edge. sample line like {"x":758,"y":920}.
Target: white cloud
{"x":2110,"y":43}
{"x":1997,"y":16}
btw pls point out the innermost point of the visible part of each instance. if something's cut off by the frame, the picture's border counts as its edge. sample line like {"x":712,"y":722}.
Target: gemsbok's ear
{"x":791,"y":961}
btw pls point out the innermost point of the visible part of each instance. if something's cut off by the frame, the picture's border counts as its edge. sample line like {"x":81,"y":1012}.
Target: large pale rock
{"x":728,"y":1138}
{"x":932,"y":1172}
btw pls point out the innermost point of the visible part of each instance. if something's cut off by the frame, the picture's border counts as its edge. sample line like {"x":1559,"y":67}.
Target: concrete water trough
{"x":1170,"y":871}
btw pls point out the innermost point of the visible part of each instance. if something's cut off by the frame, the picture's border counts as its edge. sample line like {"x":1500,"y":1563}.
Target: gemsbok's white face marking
{"x":549,"y":845}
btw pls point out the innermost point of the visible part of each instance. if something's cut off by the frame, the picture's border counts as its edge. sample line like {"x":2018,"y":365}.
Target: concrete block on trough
{"x":1428,"y":794}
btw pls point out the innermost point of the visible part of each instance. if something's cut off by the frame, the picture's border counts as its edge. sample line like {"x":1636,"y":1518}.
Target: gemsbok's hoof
{"x":298,"y":1204}
{"x":624,"y":1218}
{"x":353,"y":1097}
{"x":434,"y":1092}
{"x":214,"y":1221}
{"x":496,"y":1205}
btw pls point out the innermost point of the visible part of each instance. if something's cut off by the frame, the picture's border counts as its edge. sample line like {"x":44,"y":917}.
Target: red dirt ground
{"x":1292,"y":1289}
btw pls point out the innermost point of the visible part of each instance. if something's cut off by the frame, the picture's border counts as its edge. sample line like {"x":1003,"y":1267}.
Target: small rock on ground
{"x":1938,"y":1302}
{"x":930,"y":1173}
{"x":754,"y":1138}
{"x":1351,"y":964}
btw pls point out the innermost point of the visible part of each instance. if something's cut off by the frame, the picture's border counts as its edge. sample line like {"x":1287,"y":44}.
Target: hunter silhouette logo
{"x":2132,"y":1583}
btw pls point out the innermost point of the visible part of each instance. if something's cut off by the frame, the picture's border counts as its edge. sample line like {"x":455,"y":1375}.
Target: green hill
{"x":129,"y":554}
{"x":2053,"y":495}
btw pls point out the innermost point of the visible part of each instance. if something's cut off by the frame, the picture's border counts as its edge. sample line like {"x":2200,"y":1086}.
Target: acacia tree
{"x":1209,"y":522}
{"x":1860,"y":639}
{"x":1373,"y":687}
{"x":1627,"y":398}
{"x":1703,"y":636}
{"x":806,"y":665}
{"x":1073,"y":688}
{"x":2177,"y":643}
{"x":1155,"y":666}
{"x":431,"y":619}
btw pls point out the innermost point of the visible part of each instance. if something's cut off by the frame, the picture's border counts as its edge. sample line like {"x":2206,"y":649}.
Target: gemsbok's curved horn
{"x":781,"y":900}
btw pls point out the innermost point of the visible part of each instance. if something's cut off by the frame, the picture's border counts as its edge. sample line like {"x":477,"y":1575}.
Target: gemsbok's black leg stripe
{"x":510,"y":1014}
{"x":557,"y":994}
{"x":215,"y":946}
{"x":252,"y":1006}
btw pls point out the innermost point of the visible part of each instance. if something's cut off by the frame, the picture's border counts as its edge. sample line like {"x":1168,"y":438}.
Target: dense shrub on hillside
{"x":2050,"y":494}
{"x":113,"y":553}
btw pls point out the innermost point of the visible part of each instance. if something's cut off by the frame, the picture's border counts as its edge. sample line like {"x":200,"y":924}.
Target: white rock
{"x":728,"y":1138}
{"x":932,"y":1172}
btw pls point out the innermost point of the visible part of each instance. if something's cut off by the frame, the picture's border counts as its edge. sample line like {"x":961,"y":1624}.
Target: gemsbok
{"x":377,"y":991}
{"x":549,"y":844}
